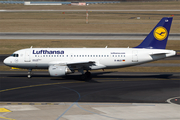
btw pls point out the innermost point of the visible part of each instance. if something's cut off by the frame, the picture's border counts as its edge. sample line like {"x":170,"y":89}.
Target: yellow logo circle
{"x":160,"y":33}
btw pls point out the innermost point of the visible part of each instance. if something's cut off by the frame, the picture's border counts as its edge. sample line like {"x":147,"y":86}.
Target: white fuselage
{"x":42,"y":58}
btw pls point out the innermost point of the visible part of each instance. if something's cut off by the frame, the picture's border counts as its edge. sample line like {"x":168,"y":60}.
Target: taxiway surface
{"x":81,"y":36}
{"x":104,"y":87}
{"x":93,"y":10}
{"x":108,"y":96}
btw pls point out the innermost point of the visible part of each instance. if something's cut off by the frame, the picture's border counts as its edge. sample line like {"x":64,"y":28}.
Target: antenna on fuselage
{"x":31,"y":46}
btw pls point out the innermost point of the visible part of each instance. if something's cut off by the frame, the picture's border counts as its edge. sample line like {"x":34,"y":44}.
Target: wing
{"x":74,"y":64}
{"x":86,"y":65}
{"x":82,"y":64}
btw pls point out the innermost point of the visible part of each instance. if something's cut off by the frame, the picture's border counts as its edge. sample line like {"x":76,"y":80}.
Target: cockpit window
{"x":15,"y":55}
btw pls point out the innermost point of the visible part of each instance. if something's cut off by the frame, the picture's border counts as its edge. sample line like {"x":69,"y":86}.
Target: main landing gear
{"x":86,"y":76}
{"x":29,"y":73}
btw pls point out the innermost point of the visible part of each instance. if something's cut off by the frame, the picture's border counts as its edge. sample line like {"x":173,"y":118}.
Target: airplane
{"x":62,"y":61}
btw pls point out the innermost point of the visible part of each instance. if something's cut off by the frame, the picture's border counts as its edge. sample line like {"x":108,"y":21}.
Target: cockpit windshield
{"x":15,"y":55}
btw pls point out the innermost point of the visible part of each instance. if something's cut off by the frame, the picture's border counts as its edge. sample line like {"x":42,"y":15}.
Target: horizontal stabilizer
{"x":159,"y":52}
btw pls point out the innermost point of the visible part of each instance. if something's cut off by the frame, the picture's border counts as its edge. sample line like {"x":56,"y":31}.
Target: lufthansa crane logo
{"x":160,"y":33}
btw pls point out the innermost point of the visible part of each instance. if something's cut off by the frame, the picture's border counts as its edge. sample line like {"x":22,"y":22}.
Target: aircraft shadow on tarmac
{"x":100,"y":75}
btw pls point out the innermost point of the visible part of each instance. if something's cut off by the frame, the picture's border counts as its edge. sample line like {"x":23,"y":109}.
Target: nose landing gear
{"x":29,"y":73}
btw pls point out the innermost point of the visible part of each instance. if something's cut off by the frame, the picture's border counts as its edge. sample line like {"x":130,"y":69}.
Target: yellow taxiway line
{"x":16,"y":88}
{"x":105,"y":80}
{"x":4,"y":110}
{"x":7,"y":118}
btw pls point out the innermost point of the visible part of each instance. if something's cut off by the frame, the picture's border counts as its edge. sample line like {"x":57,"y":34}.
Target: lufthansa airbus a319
{"x":62,"y":61}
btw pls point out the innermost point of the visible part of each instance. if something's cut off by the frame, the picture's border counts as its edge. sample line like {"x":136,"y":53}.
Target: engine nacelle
{"x":57,"y":70}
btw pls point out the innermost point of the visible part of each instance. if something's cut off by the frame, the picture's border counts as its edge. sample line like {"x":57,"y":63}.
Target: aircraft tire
{"x":29,"y":76}
{"x":88,"y":74}
{"x":83,"y":77}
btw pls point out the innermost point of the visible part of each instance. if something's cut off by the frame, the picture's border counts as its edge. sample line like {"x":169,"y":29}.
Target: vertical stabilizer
{"x":158,"y":37}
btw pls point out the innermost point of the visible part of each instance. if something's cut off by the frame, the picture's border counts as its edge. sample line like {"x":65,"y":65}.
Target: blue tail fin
{"x":158,"y":37}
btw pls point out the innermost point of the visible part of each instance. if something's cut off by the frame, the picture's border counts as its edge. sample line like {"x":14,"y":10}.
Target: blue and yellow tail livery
{"x":157,"y":38}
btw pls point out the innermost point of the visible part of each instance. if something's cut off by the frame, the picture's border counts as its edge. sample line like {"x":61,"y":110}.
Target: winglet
{"x":157,"y":38}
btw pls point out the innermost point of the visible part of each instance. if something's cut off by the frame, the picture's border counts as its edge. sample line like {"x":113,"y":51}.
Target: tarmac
{"x":108,"y":96}
{"x":82,"y":36}
{"x":93,"y":10}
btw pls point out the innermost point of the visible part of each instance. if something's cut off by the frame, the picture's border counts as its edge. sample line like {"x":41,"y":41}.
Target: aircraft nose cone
{"x":6,"y":61}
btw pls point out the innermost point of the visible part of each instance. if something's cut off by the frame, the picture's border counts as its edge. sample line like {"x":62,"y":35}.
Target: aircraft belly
{"x":31,"y":66}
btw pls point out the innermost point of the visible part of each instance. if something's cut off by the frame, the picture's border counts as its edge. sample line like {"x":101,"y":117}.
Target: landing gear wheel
{"x":83,"y":77}
{"x":29,"y":76}
{"x":88,"y":74}
{"x":29,"y":73}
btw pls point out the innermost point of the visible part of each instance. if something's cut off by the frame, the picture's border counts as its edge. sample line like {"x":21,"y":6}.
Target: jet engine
{"x":57,"y":70}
